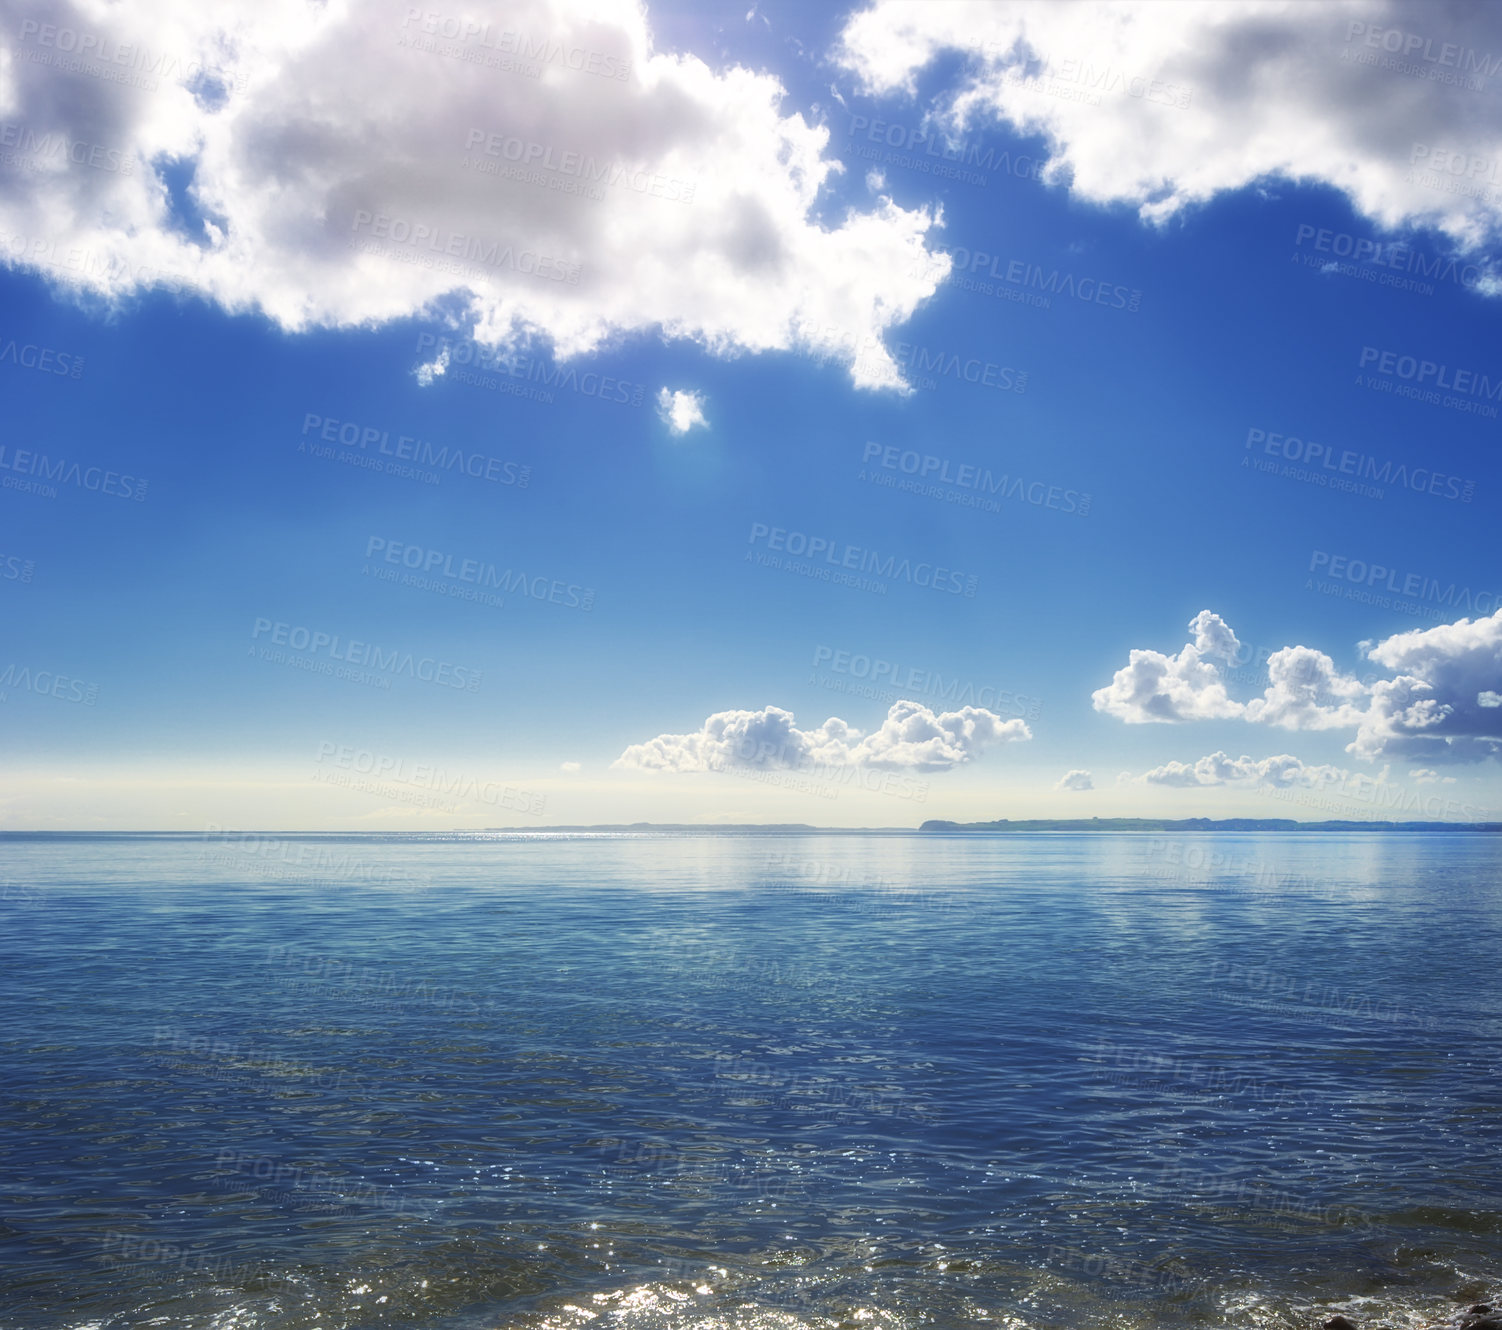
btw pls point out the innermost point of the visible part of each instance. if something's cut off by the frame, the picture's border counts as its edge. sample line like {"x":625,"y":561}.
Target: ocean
{"x":741,"y":1080}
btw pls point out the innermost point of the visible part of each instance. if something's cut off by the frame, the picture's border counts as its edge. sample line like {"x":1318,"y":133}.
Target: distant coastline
{"x":1199,"y":824}
{"x":937,"y":826}
{"x":1006,"y":825}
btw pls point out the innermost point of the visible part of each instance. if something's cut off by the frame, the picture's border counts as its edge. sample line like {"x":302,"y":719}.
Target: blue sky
{"x":175,"y":659}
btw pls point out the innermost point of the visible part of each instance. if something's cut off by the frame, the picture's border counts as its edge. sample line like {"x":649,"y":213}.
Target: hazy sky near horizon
{"x":564,"y":411}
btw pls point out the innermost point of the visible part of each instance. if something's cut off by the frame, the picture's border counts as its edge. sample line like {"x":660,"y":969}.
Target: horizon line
{"x":932,"y":826}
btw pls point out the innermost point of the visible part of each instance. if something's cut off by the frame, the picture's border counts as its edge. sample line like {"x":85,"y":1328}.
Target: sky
{"x":574,"y":411}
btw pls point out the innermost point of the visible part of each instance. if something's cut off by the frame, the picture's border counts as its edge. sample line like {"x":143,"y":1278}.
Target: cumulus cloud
{"x":1076,"y":780}
{"x":570,"y":768}
{"x":681,"y":411}
{"x":1213,"y":637}
{"x":1189,"y":686}
{"x":912,"y":737}
{"x":763,"y":739}
{"x":1443,"y":704}
{"x":1306,"y":692}
{"x":339,"y":165}
{"x":1218,"y":768}
{"x":1439,"y":708}
{"x":1162,"y":106}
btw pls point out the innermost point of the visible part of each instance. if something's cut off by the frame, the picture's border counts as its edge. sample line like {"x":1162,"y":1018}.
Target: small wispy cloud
{"x":681,"y":411}
{"x":434,"y":369}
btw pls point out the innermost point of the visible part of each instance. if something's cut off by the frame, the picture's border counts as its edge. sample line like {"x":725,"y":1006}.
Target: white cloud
{"x":1306,"y":692}
{"x":1076,"y":780}
{"x":1436,"y":708}
{"x":1161,"y":106}
{"x":681,"y":411}
{"x":912,"y":737}
{"x":571,"y":768}
{"x":1218,"y":768}
{"x":1428,"y":776}
{"x":1155,"y":687}
{"x":433,"y":369}
{"x":1442,"y":705}
{"x":342,"y":175}
{"x":1213,"y":637}
{"x":763,"y":739}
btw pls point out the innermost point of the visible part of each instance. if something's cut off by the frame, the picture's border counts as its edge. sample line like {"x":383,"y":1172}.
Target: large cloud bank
{"x":1163,"y":105}
{"x":533,"y":171}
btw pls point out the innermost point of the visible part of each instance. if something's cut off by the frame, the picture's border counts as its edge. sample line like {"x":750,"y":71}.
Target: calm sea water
{"x":750,"y":1081}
